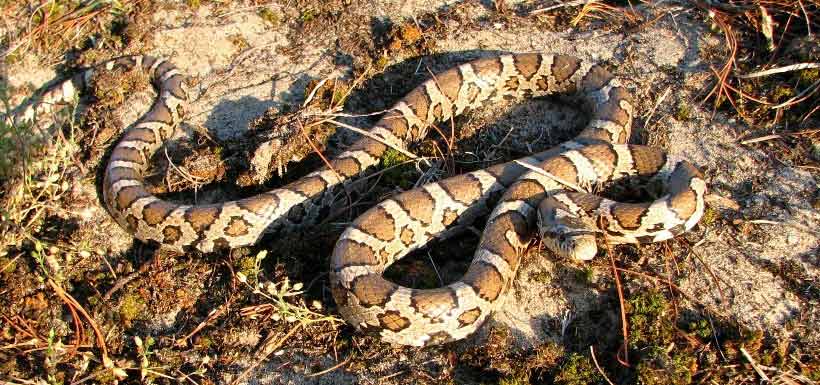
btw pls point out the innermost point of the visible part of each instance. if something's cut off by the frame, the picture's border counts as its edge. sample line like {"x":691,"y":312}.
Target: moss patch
{"x":578,"y":369}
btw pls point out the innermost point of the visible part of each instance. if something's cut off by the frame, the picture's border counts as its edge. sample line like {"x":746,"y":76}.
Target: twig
{"x":374,"y":137}
{"x":324,"y":159}
{"x":111,"y":269}
{"x":441,"y":281}
{"x":107,"y":363}
{"x":549,"y":175}
{"x":763,"y":222}
{"x":269,"y":346}
{"x":624,"y":329}
{"x":793,"y":67}
{"x":312,"y":93}
{"x":803,"y":95}
{"x":655,"y":107}
{"x":216,"y":313}
{"x":556,"y":6}
{"x":760,"y":139}
{"x":757,"y":369}
{"x":595,"y":360}
{"x":389,"y":376}
{"x":709,"y":271}
{"x":806,"y":15}
{"x":778,"y":136}
{"x":332,"y":368}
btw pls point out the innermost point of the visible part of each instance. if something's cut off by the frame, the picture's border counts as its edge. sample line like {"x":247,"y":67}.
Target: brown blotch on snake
{"x":155,"y":212}
{"x":200,"y":218}
{"x":378,"y":223}
{"x":485,"y":280}
{"x":372,"y":290}
{"x":393,"y":320}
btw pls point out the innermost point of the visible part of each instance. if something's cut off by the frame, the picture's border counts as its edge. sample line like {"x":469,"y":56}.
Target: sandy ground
{"x":772,"y":201}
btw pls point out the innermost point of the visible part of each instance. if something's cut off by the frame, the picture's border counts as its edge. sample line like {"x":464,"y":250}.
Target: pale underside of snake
{"x":546,"y":192}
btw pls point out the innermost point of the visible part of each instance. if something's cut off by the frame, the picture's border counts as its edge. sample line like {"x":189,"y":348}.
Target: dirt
{"x":752,"y":262}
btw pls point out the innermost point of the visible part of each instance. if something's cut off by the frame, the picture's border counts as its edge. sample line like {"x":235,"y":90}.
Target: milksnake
{"x":546,"y":193}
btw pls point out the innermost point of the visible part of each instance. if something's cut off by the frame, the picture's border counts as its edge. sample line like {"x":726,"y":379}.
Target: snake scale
{"x":546,"y":193}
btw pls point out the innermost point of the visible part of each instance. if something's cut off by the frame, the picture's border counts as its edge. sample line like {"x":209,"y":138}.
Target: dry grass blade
{"x":624,"y":327}
{"x":332,"y":368}
{"x":374,"y":137}
{"x":594,"y":6}
{"x":214,"y":314}
{"x":595,"y":361}
{"x":64,"y":27}
{"x":720,"y":89}
{"x":758,"y":370}
{"x":268,"y":347}
{"x":780,"y":70}
{"x":559,"y":5}
{"x":72,"y":303}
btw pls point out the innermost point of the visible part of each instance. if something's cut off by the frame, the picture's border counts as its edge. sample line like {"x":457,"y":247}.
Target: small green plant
{"x":250,"y":268}
{"x":710,"y":216}
{"x":53,"y":348}
{"x":285,"y":302}
{"x":145,"y":353}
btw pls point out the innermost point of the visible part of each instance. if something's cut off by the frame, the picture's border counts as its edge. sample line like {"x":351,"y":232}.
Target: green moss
{"x":381,"y":63}
{"x":269,"y":16}
{"x":577,"y":370}
{"x":782,"y":92}
{"x":205,"y":343}
{"x":541,"y":276}
{"x":710,"y":216}
{"x":246,"y":265}
{"x":648,"y":321}
{"x":515,"y":380}
{"x":397,"y":171}
{"x":307,"y":16}
{"x":132,"y":307}
{"x":807,"y":77}
{"x":8,"y":265}
{"x":661,"y":368}
{"x":585,"y":275}
{"x":651,"y":303}
{"x":701,"y":328}
{"x":683,"y":111}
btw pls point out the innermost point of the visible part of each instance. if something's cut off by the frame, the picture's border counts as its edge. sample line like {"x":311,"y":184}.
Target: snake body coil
{"x":545,"y":192}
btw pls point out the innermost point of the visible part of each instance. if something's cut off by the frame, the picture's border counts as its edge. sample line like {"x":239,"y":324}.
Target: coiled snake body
{"x":544,"y":192}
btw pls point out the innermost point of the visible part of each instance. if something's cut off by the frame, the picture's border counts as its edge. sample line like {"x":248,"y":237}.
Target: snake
{"x":549,"y":194}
